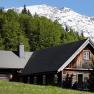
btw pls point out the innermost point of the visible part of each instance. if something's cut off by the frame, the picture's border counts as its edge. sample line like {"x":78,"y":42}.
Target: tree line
{"x":34,"y":32}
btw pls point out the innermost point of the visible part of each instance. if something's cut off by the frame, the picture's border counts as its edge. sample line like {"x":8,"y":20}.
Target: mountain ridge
{"x":65,"y":16}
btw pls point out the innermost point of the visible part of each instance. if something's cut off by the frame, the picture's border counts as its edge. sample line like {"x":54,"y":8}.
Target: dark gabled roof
{"x":51,"y":59}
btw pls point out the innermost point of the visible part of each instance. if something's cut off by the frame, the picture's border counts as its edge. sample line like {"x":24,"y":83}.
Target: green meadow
{"x":21,"y":88}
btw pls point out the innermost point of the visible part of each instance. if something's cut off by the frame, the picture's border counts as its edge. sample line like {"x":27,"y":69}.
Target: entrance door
{"x":80,"y":81}
{"x":80,"y":78}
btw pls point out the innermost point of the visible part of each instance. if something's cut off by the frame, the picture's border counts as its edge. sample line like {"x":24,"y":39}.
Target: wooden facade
{"x":80,"y":62}
{"x":79,"y":66}
{"x":9,"y":74}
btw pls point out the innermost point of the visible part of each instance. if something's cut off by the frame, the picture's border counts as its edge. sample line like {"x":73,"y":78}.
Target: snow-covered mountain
{"x":66,"y":17}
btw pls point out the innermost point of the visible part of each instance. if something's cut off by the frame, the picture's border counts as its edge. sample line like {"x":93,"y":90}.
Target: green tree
{"x":12,"y":33}
{"x":71,"y":36}
{"x":25,"y":11}
{"x":44,"y":33}
{"x":1,"y":10}
{"x":34,"y":31}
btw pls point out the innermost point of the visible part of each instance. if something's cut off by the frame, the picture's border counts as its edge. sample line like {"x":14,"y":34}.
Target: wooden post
{"x":60,"y":78}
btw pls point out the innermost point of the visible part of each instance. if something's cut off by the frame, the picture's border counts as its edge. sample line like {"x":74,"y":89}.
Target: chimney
{"x":21,"y":50}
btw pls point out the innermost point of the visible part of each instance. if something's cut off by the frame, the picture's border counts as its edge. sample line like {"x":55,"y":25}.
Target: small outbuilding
{"x":12,"y":63}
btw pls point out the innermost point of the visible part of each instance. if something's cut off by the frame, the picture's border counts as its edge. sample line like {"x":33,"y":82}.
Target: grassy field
{"x":20,"y":88}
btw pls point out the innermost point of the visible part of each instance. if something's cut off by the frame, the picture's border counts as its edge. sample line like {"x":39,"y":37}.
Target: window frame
{"x":55,"y":78}
{"x":35,"y":80}
{"x":86,"y":55}
{"x":44,"y":79}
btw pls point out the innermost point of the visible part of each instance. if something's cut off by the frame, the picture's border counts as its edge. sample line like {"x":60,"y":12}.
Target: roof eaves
{"x":91,"y":43}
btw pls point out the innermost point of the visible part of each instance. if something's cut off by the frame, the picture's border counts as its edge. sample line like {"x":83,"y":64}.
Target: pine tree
{"x":28,"y":12}
{"x":24,"y":11}
{"x":1,"y":10}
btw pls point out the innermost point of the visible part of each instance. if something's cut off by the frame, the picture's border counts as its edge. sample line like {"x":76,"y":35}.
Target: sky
{"x":84,"y":7}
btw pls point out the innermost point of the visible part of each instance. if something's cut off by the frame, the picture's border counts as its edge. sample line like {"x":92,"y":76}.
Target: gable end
{"x":88,"y":41}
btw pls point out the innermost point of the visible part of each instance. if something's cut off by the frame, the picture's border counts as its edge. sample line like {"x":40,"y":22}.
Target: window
{"x":28,"y":79}
{"x":44,"y":79}
{"x":86,"y":55}
{"x":35,"y":80}
{"x":80,"y":78}
{"x":55,"y":79}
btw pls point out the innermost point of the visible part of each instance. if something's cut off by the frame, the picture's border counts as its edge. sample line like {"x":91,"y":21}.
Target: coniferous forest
{"x":34,"y":32}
